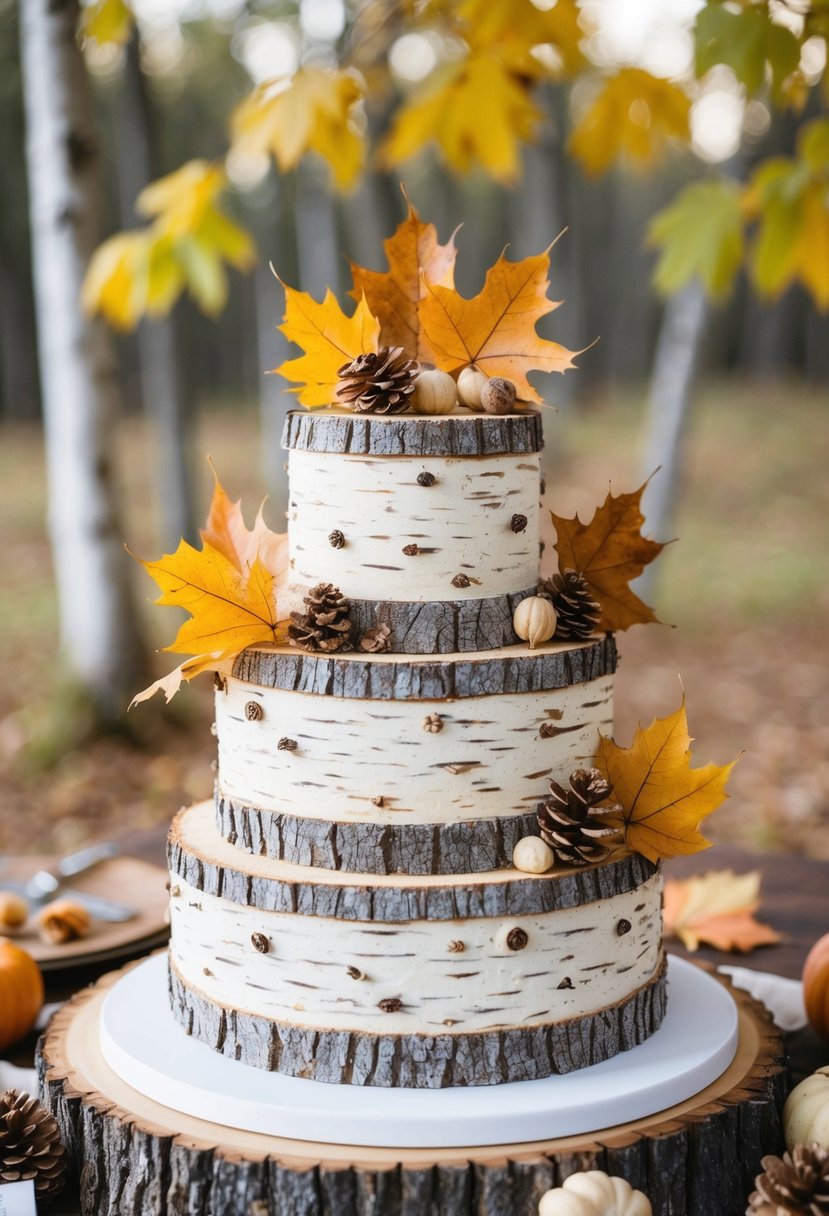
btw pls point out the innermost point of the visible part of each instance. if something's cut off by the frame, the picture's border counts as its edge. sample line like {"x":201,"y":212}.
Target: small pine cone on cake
{"x":326,"y":624}
{"x":796,"y":1184}
{"x":30,"y":1144}
{"x":380,"y":383}
{"x":577,"y":613}
{"x":572,"y":822}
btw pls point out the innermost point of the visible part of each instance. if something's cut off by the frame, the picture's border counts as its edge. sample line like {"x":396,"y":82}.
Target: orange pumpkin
{"x":21,"y":993}
{"x":816,"y":986}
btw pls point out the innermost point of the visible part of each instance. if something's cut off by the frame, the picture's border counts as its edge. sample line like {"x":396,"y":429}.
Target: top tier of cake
{"x":428,"y":525}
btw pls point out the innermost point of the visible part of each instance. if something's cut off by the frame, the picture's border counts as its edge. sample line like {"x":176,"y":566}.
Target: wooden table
{"x":795,"y":900}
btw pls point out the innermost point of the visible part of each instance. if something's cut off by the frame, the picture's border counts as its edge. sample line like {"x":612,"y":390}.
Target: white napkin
{"x":783,"y":998}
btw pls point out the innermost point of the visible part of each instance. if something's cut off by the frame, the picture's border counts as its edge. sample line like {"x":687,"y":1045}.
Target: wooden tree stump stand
{"x":135,"y":1157}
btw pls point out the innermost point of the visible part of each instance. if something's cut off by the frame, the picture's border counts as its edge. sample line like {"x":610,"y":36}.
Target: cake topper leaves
{"x":662,"y":799}
{"x":495,"y":330}
{"x":227,"y":587}
{"x":608,"y":552}
{"x":414,"y":257}
{"x":716,"y":909}
{"x":329,"y":339}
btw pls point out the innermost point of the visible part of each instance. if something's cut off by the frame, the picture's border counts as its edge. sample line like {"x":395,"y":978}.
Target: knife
{"x":43,"y":885}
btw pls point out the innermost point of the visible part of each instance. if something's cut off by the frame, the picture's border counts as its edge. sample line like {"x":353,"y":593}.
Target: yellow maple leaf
{"x":609,"y":552}
{"x":414,"y":256}
{"x":476,"y":110}
{"x":312,"y":111}
{"x":663,"y":800}
{"x":633,"y":115}
{"x":115,"y":283}
{"x":530,"y":40}
{"x":227,"y":587}
{"x":329,"y":339}
{"x":495,"y":330}
{"x":107,"y":21}
{"x":716,"y":909}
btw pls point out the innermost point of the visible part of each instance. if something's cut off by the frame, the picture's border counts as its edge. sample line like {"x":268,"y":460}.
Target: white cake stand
{"x":146,"y":1048}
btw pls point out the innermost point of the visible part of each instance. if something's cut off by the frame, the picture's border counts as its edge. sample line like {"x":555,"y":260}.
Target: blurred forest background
{"x":729,"y":395}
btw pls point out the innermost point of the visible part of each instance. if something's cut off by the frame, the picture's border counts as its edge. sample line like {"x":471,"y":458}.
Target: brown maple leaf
{"x":609,"y":552}
{"x":415,"y":257}
{"x":495,"y":330}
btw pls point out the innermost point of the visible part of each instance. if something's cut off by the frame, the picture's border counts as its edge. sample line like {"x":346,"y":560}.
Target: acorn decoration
{"x":380,"y":383}
{"x":435,"y":392}
{"x":470,"y":386}
{"x":30,"y":1144}
{"x":535,"y":620}
{"x":498,"y":396}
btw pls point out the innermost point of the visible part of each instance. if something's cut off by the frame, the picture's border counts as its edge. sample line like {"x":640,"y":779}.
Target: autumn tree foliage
{"x":477,"y":109}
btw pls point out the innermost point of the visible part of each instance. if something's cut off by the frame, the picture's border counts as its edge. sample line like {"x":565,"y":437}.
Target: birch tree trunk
{"x":675,"y":362}
{"x":98,"y":628}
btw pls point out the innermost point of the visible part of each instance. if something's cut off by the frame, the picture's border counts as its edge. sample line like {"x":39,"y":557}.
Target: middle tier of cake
{"x":411,"y":981}
{"x":403,"y":764}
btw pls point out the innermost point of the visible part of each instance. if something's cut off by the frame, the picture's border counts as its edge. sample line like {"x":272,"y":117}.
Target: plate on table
{"x":127,"y":880}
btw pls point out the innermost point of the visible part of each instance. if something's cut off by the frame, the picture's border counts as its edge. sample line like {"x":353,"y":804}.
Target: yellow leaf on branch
{"x":185,"y":247}
{"x":716,"y":909}
{"x":663,"y":800}
{"x":495,"y":330}
{"x":107,"y":21}
{"x":315,"y":110}
{"x":227,"y":587}
{"x":609,"y":552}
{"x":415,"y":257}
{"x":531,"y":41}
{"x":632,"y":116}
{"x":329,"y":339}
{"x":477,"y":111}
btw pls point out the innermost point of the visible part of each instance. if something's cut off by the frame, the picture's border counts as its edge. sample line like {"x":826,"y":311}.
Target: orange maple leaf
{"x":227,"y":587}
{"x":415,"y":257}
{"x":329,"y":339}
{"x":662,"y":799}
{"x":609,"y":552}
{"x":495,"y":330}
{"x":716,"y":909}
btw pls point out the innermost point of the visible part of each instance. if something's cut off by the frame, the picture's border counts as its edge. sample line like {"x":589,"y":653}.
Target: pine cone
{"x":577,"y":612}
{"x":571,"y":822}
{"x":378,"y":384}
{"x":30,"y":1144}
{"x":795,"y":1185}
{"x":326,"y":626}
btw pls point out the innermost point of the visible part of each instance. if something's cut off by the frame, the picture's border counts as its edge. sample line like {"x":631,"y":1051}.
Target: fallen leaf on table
{"x":495,"y":330}
{"x":716,"y":909}
{"x":663,"y":800}
{"x":415,"y":257}
{"x":609,"y":552}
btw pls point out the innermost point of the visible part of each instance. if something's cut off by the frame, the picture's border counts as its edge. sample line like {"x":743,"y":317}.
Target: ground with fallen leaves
{"x":746,"y":585}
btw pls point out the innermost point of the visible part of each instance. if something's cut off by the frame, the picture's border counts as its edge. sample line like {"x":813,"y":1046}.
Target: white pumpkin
{"x":534,"y":620}
{"x":598,"y":1194}
{"x":435,"y":392}
{"x":806,"y":1113}
{"x":470,"y":384}
{"x":532,"y":855}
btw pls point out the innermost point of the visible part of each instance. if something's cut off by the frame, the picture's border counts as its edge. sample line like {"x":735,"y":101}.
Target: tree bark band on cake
{"x":450,"y":435}
{"x":360,"y":899}
{"x":422,"y":1061}
{"x":366,"y":677}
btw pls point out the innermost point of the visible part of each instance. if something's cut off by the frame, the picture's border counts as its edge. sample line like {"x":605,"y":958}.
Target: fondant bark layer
{"x":422,"y":1061}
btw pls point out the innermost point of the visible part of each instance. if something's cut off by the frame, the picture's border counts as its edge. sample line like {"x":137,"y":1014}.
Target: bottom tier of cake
{"x":133,"y":1156}
{"x":427,"y":982}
